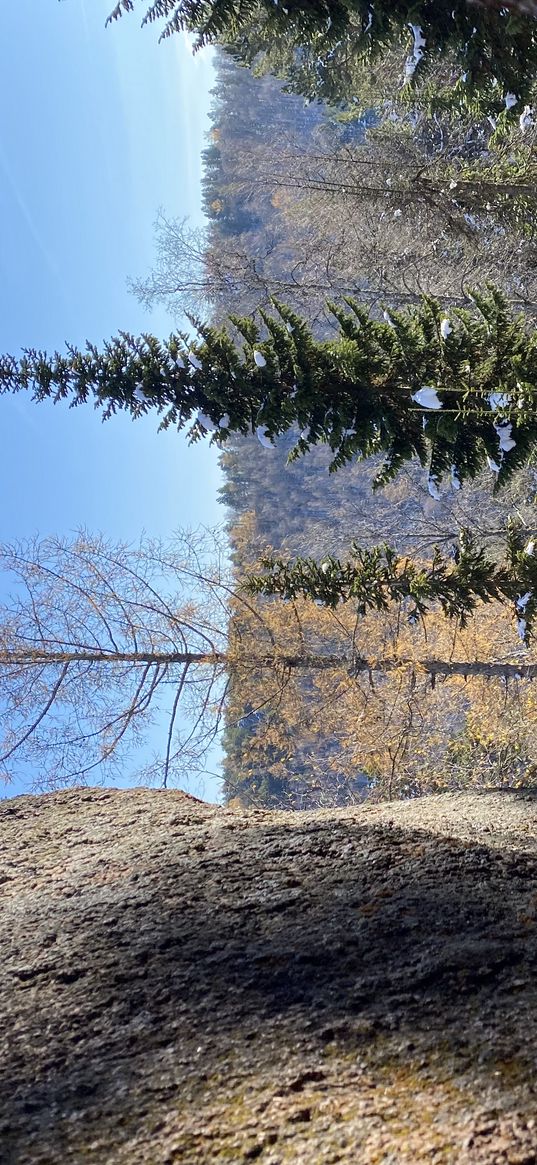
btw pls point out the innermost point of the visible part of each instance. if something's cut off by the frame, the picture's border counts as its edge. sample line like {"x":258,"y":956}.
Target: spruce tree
{"x":491,"y":46}
{"x":374,"y":578}
{"x":457,"y":391}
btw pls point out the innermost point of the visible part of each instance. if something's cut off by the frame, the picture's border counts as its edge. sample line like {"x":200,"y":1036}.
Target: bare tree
{"x":396,"y":216}
{"x":343,"y":223}
{"x":204,"y":274}
{"x":98,"y":641}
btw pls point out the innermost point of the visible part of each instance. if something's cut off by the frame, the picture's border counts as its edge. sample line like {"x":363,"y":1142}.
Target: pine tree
{"x":454,"y":392}
{"x":491,"y":45}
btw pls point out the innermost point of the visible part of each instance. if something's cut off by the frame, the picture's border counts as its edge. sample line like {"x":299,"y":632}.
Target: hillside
{"x":188,"y":984}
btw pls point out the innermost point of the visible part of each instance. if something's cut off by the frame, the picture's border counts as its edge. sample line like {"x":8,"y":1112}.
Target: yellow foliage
{"x":392,"y":725}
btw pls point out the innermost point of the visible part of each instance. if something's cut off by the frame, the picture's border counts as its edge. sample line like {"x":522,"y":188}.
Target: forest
{"x":377,"y":194}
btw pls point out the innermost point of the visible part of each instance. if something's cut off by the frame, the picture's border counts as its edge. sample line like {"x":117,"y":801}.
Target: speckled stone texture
{"x":187,"y":984}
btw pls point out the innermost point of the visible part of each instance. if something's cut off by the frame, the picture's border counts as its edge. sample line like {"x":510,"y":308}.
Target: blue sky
{"x":100,"y":127}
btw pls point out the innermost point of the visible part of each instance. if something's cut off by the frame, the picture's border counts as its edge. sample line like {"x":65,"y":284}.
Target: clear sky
{"x":100,"y":127}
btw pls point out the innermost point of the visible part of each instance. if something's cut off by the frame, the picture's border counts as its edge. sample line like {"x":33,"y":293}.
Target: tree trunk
{"x":440,"y":667}
{"x":294,"y":662}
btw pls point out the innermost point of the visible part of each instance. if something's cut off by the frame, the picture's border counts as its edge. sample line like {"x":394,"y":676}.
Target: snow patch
{"x":427,"y":398}
{"x":432,"y":486}
{"x":416,"y":55}
{"x":261,"y":434}
{"x":521,"y":628}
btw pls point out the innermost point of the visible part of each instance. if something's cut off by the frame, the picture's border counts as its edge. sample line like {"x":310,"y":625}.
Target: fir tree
{"x":373,"y":579}
{"x":490,"y":45}
{"x":454,"y":392}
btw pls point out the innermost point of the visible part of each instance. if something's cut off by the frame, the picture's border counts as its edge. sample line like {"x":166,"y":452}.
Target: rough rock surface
{"x":187,"y":984}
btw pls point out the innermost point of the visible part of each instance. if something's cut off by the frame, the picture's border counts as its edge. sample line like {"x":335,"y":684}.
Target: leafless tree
{"x":209,"y":276}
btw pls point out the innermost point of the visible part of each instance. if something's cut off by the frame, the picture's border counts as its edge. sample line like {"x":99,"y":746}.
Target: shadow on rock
{"x":240,"y":948}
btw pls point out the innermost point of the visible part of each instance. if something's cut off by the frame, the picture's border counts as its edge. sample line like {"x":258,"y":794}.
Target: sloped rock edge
{"x":183,"y":984}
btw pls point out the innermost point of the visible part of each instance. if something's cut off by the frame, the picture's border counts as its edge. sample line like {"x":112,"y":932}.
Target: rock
{"x":179,"y":986}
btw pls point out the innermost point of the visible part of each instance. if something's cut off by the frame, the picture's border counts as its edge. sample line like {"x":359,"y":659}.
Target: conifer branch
{"x":373,"y":579}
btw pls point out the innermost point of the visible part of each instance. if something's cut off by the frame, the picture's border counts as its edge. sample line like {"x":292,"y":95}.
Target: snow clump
{"x":507,"y":442}
{"x":416,"y":55}
{"x":521,"y":628}
{"x":264,"y":440}
{"x":427,"y":398}
{"x":206,"y":421}
{"x":432,"y":486}
{"x":499,"y":400}
{"x":455,"y":479}
{"x":210,"y":425}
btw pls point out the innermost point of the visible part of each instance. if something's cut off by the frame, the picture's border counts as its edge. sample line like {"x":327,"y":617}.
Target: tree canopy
{"x":488,"y":45}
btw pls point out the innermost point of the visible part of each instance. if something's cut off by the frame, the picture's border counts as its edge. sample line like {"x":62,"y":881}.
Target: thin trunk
{"x":441,"y":667}
{"x":480,"y":186}
{"x":301,"y":662}
{"x":32,"y":658}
